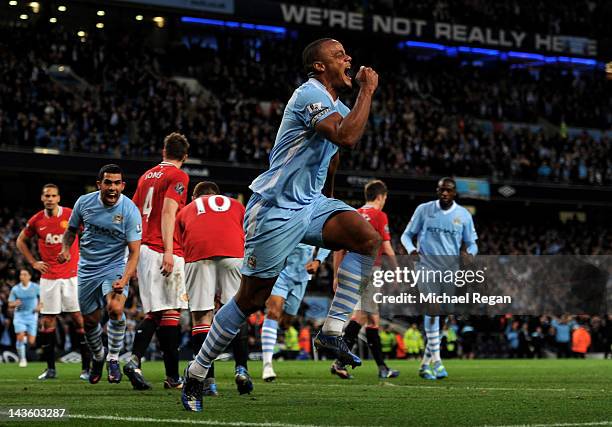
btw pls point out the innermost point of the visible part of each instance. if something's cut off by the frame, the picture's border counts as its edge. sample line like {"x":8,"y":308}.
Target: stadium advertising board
{"x":415,"y":28}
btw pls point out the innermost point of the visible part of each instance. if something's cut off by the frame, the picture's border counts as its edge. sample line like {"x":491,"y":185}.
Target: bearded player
{"x":288,"y":207}
{"x":161,"y":193}
{"x":58,"y":282}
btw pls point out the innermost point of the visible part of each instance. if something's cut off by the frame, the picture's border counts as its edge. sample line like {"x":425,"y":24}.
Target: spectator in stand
{"x":563,"y":328}
{"x":581,"y":341}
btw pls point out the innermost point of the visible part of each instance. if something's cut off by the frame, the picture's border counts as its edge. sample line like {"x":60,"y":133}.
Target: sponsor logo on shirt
{"x":179,"y":188}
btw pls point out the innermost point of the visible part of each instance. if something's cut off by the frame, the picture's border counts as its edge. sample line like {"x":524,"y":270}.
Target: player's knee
{"x":48,"y":322}
{"x":89,"y":322}
{"x":274,"y":309}
{"x":115,"y":311}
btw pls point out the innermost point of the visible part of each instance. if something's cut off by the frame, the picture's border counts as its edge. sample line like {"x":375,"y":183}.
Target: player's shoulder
{"x":426,"y":206}
{"x":66,"y":211}
{"x":237,"y":205}
{"x":310,"y":93}
{"x":87,"y":198}
{"x":36,"y":217}
{"x":463,"y":210}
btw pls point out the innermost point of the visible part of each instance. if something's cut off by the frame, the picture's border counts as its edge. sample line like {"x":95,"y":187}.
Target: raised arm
{"x":347,"y":131}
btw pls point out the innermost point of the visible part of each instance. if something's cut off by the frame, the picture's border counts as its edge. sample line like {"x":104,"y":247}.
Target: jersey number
{"x":148,"y":203}
{"x":212,"y":204}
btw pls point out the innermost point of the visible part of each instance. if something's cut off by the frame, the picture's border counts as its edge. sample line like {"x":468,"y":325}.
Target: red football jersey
{"x":50,"y":231}
{"x":379,"y":221}
{"x":211,"y":226}
{"x":164,"y":180}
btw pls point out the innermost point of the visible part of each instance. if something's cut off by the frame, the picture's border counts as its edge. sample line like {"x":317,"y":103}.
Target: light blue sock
{"x":353,"y":276}
{"x":432,"y":331}
{"x":116,"y":336}
{"x":226,"y":325}
{"x":21,"y":349}
{"x":93,"y":338}
{"x":268,"y":339}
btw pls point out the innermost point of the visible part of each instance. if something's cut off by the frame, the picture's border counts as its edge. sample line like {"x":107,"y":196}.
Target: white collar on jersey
{"x":167,"y":164}
{"x":59,"y":212}
{"x":324,"y":89}
{"x":447,"y":211}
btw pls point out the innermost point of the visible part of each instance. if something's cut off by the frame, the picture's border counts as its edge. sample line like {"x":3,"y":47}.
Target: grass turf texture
{"x":479,"y":392}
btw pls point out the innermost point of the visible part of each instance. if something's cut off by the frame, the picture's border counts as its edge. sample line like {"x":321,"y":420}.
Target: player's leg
{"x":375,"y":346}
{"x":91,"y":301}
{"x":228,"y":282}
{"x":51,"y":301}
{"x":269,"y":330}
{"x":431,"y":359}
{"x":70,"y":304}
{"x":115,"y":328}
{"x":20,"y":343}
{"x":335,"y":225}
{"x":169,"y":332}
{"x":351,"y":332}
{"x":271,"y":234}
{"x":148,"y":272}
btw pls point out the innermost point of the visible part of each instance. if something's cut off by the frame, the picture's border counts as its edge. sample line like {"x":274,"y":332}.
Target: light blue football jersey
{"x":28,"y":297}
{"x":300,"y":157}
{"x":106,"y":233}
{"x":440,"y":232}
{"x":295,"y":269}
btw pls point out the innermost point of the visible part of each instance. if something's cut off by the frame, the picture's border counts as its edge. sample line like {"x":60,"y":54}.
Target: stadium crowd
{"x":425,"y":118}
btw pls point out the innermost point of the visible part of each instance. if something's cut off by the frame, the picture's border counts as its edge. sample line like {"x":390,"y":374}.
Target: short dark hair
{"x":27,"y":270}
{"x":205,"y":188}
{"x":50,"y":185}
{"x":176,"y":146}
{"x":373,"y":189}
{"x":447,"y":179}
{"x":111,"y":168}
{"x":310,"y":54}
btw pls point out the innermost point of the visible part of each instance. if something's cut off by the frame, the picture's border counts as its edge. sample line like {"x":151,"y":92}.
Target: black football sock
{"x":350,"y":333}
{"x":240,"y":346}
{"x":47,"y":343}
{"x":375,"y":346}
{"x":144,"y":334}
{"x":169,"y":340}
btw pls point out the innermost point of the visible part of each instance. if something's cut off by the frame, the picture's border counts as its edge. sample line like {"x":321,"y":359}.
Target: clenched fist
{"x":367,"y":79}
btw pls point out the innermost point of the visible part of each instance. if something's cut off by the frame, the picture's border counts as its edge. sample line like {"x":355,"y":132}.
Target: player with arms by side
{"x":161,"y":193}
{"x":287,"y":295}
{"x":23,"y":299}
{"x":58,"y":282}
{"x":445,"y":232}
{"x":210,"y":231}
{"x":111,"y":229}
{"x":366,"y":311}
{"x":288,"y":207}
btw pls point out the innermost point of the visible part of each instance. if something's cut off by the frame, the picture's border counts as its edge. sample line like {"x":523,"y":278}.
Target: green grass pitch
{"x":477,"y":393}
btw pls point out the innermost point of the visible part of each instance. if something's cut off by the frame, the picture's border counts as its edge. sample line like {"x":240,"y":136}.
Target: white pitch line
{"x":593,"y":423}
{"x":189,"y":421}
{"x":447,"y":387}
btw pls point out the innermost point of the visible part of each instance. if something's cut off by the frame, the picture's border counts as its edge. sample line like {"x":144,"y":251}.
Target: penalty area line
{"x":189,"y":421}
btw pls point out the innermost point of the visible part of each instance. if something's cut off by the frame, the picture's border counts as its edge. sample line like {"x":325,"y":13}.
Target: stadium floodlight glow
{"x":81,"y":33}
{"x":62,"y":8}
{"x":425,"y":45}
{"x":159,"y":21}
{"x":233,"y":24}
{"x":100,"y":13}
{"x":35,"y":6}
{"x":139,"y":17}
{"x":100,"y":25}
{"x":526,"y":55}
{"x":23,"y":16}
{"x":13,"y":3}
{"x":53,"y":20}
{"x":534,"y":58}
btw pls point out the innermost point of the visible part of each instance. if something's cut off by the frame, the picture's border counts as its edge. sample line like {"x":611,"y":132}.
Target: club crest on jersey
{"x":179,"y":188}
{"x":457,"y":221}
{"x":64,"y":224}
{"x":118,"y":219}
{"x":252,"y":261}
